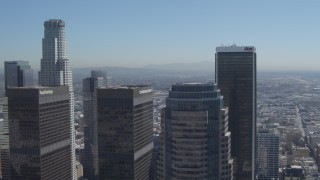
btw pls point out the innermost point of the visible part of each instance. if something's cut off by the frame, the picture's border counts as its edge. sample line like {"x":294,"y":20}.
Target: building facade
{"x":16,"y":74}
{"x":268,"y":144}
{"x":155,"y":156}
{"x":236,"y":78}
{"x":194,"y":141}
{"x":39,"y":133}
{"x":98,"y":79}
{"x":55,"y":67}
{"x":54,"y":55}
{"x":102,"y":73}
{"x":4,"y":140}
{"x":125,"y":132}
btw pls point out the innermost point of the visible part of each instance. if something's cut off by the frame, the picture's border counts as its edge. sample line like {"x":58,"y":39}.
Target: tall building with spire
{"x":54,"y":62}
{"x":236,"y":77}
{"x":55,"y":67}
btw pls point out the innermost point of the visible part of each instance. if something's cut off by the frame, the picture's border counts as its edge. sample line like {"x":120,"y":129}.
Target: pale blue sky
{"x":133,"y":33}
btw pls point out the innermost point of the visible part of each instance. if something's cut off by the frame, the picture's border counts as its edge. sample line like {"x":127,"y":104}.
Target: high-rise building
{"x":267,"y":165}
{"x":39,"y":133}
{"x":98,"y":79}
{"x":102,"y":73}
{"x":225,"y":159}
{"x":194,"y":139}
{"x":125,"y":132}
{"x":4,"y":140}
{"x":17,"y":74}
{"x":55,"y":68}
{"x":155,"y":157}
{"x":236,"y":78}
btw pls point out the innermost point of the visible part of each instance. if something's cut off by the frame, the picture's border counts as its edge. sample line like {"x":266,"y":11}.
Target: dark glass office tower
{"x":39,"y":133}
{"x":125,"y":132}
{"x":98,"y":79}
{"x":236,"y":77}
{"x":194,"y":124}
{"x":17,"y":74}
{"x":155,"y":157}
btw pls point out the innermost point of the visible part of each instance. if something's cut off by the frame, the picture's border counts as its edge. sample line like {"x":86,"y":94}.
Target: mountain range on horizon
{"x":196,"y":68}
{"x":203,"y":66}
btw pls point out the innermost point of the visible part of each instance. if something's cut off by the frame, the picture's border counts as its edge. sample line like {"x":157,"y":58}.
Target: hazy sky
{"x":133,"y":33}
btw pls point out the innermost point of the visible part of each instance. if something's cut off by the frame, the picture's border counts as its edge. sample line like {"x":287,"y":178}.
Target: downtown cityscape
{"x":220,"y":119}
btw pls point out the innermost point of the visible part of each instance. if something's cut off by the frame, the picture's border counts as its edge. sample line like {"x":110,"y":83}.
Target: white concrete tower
{"x":55,"y":68}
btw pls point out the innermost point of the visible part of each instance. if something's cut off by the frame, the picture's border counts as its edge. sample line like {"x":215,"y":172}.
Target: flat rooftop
{"x":236,"y":49}
{"x":126,"y":87}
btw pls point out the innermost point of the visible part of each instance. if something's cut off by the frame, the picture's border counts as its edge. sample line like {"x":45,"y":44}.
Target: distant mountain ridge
{"x":204,"y":67}
{"x":207,"y":66}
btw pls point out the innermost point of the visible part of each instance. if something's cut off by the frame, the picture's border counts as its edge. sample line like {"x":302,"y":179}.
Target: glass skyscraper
{"x":98,"y":79}
{"x":39,"y":133}
{"x":236,"y":78}
{"x":267,"y":155}
{"x":55,"y":67}
{"x":17,"y":74}
{"x":125,"y":133}
{"x":193,"y":126}
{"x":4,"y":140}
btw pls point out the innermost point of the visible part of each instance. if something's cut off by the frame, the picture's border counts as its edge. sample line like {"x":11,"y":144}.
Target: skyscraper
{"x":195,"y":141}
{"x":102,"y":73}
{"x":98,"y":79}
{"x":17,"y":74}
{"x":4,"y":140}
{"x":125,"y":132}
{"x":39,"y":133}
{"x":55,"y":67}
{"x":267,"y":155}
{"x":236,"y":77}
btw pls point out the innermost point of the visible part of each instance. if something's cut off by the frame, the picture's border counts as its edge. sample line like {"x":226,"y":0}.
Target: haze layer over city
{"x":162,"y":90}
{"x":140,"y":33}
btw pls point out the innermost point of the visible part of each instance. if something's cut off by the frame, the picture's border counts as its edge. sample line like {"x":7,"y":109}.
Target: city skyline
{"x":142,"y":129}
{"x":134,"y":34}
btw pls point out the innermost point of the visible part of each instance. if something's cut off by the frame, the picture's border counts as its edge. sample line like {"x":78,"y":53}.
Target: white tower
{"x":55,"y":68}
